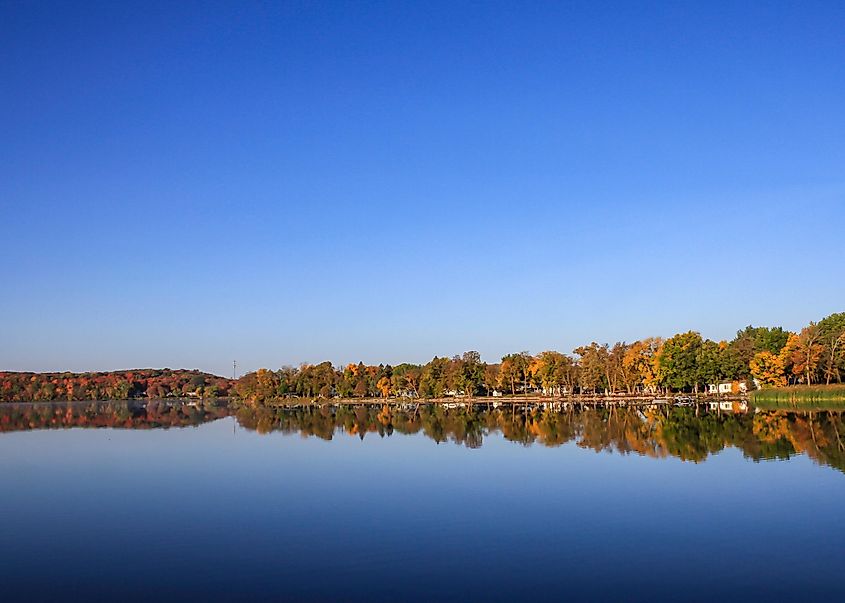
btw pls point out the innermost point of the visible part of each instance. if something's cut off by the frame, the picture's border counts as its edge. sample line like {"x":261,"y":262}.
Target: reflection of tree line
{"x":126,"y":414}
{"x":682,"y":433}
{"x":685,"y":433}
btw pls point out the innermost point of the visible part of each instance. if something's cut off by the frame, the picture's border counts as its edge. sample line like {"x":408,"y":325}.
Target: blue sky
{"x":183,"y":184}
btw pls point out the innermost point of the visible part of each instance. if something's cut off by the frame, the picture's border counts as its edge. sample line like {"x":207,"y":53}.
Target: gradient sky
{"x":184,"y":184}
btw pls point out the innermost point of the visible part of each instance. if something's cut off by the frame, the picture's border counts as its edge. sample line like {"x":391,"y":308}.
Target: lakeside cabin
{"x":727,"y":387}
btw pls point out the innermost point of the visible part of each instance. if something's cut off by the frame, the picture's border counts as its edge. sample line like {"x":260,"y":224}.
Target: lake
{"x":136,"y":502}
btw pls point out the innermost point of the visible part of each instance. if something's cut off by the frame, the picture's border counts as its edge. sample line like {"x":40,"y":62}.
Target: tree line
{"x":115,"y":385}
{"x":686,"y":362}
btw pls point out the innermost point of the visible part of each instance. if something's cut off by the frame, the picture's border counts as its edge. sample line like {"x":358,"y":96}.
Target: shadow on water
{"x":689,"y":433}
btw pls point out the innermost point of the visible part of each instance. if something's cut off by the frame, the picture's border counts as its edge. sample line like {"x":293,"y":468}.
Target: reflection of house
{"x":728,"y":406}
{"x":727,"y":387}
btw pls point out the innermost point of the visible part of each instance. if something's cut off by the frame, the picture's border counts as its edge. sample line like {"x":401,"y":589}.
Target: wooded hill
{"x":114,"y":385}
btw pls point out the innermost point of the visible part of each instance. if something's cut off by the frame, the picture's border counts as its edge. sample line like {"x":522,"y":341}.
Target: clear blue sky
{"x":183,"y":184}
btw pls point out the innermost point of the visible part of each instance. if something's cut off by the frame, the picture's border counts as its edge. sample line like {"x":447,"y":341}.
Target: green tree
{"x":471,"y":373}
{"x":434,"y":378}
{"x":593,"y":367}
{"x":832,"y":338}
{"x":708,"y":363}
{"x":747,"y":343}
{"x":678,"y":360}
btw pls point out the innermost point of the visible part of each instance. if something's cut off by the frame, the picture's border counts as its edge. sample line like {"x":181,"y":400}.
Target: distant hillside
{"x":114,"y":385}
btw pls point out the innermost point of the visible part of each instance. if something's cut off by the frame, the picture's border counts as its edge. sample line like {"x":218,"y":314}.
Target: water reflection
{"x":688,"y":433}
{"x":123,"y":414}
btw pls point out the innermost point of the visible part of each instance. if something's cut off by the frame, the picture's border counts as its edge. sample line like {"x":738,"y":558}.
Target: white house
{"x":727,"y":387}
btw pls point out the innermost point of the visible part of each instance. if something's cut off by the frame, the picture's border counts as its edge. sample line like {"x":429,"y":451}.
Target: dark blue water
{"x":221,"y":512}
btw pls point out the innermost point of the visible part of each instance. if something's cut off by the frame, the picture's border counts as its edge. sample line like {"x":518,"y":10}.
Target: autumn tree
{"x":768,"y":369}
{"x":515,"y":369}
{"x":383,"y":386}
{"x":360,"y":390}
{"x":615,"y":370}
{"x":491,"y":378}
{"x":640,"y":364}
{"x":555,"y":371}
{"x":803,"y":352}
{"x":405,"y":379}
{"x":737,"y":357}
{"x":258,"y":387}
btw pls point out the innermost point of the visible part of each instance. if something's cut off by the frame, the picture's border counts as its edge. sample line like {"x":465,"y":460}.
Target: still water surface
{"x":432,"y":505}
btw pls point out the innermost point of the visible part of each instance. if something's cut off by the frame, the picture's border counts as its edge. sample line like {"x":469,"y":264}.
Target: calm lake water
{"x":122,"y":502}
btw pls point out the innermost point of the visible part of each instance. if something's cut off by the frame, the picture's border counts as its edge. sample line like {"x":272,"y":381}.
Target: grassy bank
{"x":801,"y":396}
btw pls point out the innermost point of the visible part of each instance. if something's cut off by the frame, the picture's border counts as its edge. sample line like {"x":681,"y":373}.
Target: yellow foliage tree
{"x":640,"y":362}
{"x":383,"y":386}
{"x":768,"y":369}
{"x":803,"y":353}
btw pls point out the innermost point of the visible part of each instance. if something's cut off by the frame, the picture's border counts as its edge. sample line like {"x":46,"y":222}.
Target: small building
{"x":727,"y":387}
